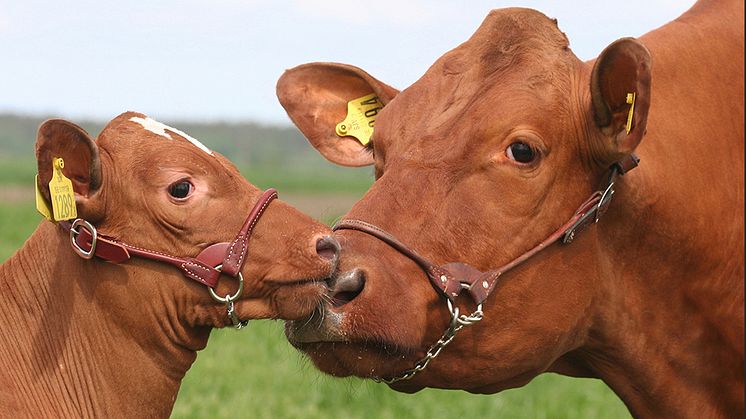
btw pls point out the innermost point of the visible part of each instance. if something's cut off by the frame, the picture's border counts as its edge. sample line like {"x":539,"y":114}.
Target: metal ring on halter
{"x":80,"y":223}
{"x":454,"y":314}
{"x":228,"y":298}
{"x":463,"y":319}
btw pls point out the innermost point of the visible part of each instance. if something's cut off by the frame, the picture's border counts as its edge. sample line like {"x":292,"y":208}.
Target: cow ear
{"x":315,"y":97}
{"x":59,"y":138}
{"x":620,"y":86}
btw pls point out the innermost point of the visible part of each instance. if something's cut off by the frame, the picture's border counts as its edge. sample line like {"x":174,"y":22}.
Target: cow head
{"x":482,"y":158}
{"x":153,"y":186}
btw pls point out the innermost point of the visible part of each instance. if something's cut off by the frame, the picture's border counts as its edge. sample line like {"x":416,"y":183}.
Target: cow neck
{"x":452,"y":278}
{"x":70,"y":353}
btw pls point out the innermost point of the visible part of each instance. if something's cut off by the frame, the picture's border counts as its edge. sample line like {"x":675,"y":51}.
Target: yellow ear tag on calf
{"x":361,"y":115}
{"x":630,"y":101}
{"x":62,"y":193}
{"x":41,"y":203}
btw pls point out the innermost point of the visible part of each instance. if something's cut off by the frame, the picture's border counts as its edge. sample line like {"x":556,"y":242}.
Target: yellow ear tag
{"x":630,"y":101}
{"x":62,"y":194}
{"x":361,"y":115}
{"x":41,"y":203}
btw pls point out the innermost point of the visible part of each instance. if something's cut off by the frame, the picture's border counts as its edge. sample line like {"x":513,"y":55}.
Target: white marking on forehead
{"x":160,"y":129}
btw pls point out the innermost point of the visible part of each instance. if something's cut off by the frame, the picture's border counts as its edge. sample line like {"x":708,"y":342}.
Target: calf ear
{"x":622,"y":70}
{"x":315,"y":97}
{"x":59,"y":138}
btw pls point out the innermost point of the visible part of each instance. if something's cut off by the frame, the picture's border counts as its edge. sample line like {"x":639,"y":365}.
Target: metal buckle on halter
{"x":603,"y":203}
{"x":74,"y":232}
{"x":228,"y":300}
{"x":596,"y":212}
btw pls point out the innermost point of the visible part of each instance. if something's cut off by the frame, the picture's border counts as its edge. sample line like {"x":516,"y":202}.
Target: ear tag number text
{"x":62,"y":193}
{"x":361,"y":116}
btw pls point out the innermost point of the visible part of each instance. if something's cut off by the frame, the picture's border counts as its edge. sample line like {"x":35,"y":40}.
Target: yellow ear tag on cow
{"x":41,"y":203}
{"x":62,"y":193}
{"x":630,"y":101}
{"x":361,"y":116}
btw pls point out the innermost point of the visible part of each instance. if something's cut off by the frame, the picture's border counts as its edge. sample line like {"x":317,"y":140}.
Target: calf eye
{"x":520,"y":152}
{"x":180,"y":189}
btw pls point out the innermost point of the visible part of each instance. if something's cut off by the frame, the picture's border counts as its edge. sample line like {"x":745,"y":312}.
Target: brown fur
{"x":650,"y":299}
{"x":93,"y":339}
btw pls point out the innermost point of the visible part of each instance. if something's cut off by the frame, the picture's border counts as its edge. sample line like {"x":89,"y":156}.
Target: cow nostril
{"x":346,"y":287}
{"x":328,"y":248}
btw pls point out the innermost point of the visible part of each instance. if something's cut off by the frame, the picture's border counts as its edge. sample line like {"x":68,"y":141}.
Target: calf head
{"x":490,"y":152}
{"x":154,"y":187}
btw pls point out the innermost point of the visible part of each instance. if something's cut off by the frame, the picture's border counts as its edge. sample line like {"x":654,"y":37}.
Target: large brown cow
{"x":486,"y":161}
{"x":88,"y":338}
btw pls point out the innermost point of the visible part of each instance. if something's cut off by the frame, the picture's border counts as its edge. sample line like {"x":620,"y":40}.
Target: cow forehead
{"x":515,"y":68}
{"x":162,"y":130}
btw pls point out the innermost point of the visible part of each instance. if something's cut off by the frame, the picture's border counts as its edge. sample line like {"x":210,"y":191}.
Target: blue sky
{"x":220,"y":59}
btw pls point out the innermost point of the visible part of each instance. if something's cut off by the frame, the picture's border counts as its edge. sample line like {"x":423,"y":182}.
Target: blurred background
{"x":209,"y":68}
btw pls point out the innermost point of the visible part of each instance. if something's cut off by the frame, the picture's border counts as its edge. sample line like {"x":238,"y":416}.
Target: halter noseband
{"x":450,"y":279}
{"x":225,"y":258}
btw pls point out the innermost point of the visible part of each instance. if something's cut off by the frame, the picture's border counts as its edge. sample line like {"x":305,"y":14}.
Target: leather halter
{"x":225,"y":258}
{"x":450,"y":279}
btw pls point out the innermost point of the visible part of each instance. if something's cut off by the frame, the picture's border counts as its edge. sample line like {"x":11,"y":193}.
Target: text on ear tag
{"x":361,"y":115}
{"x":41,"y":203}
{"x":630,"y":101}
{"x":62,"y":193}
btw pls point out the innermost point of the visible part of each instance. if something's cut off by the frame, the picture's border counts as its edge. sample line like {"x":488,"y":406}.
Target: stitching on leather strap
{"x":193,"y":273}
{"x":231,"y":255}
{"x":243,"y":237}
{"x":148,"y":251}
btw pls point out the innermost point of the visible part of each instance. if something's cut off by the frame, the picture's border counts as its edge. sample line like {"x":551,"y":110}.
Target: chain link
{"x":458,"y":322}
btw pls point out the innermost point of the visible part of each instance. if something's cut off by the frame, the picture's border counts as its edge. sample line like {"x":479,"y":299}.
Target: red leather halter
{"x":450,"y":279}
{"x":225,"y":258}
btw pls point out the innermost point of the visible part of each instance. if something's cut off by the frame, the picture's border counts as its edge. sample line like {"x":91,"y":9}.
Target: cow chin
{"x":341,"y":353}
{"x":344,"y":359}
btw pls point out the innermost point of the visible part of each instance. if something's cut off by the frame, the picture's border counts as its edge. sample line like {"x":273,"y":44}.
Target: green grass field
{"x":255,"y":373}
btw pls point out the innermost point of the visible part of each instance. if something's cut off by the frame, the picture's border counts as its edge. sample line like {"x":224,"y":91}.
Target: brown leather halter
{"x":450,"y":279}
{"x":225,"y":258}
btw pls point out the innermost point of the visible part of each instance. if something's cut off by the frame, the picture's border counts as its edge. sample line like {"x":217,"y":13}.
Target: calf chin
{"x":294,"y":302}
{"x":322,"y":325}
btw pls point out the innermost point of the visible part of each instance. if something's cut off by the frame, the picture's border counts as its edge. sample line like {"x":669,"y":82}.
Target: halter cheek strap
{"x":450,"y":279}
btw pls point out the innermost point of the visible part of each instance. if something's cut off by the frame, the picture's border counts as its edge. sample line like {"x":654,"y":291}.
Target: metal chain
{"x":458,"y":322}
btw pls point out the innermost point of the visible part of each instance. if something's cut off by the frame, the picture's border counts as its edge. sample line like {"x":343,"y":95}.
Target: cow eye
{"x":521,"y":152}
{"x":180,"y":189}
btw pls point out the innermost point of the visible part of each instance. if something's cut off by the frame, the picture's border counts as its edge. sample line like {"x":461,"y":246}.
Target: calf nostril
{"x":346,"y":287}
{"x":328,"y":248}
